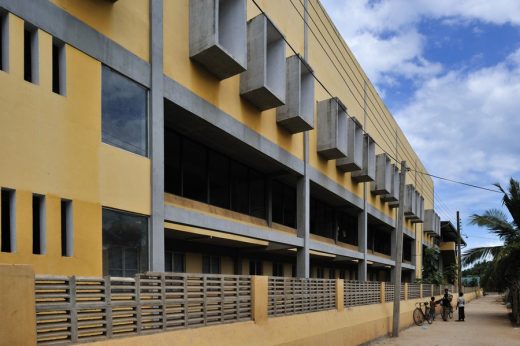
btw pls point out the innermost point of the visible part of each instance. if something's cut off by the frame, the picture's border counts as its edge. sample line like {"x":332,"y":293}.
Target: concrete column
{"x":18,"y":317}
{"x":259,"y":299}
{"x":340,"y":295}
{"x":302,"y":211}
{"x":406,"y":291}
{"x":156,"y":247}
{"x":382,"y":292}
{"x":303,"y":192}
{"x":362,"y":244}
{"x":269,"y":202}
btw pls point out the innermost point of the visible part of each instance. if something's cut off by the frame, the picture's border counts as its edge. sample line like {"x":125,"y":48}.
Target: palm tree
{"x":496,"y":221}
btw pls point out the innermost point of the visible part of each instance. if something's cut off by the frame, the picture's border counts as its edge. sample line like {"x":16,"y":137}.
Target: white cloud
{"x":384,"y":37}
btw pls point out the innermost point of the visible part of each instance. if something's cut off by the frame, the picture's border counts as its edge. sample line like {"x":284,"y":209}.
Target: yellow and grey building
{"x":176,"y":135}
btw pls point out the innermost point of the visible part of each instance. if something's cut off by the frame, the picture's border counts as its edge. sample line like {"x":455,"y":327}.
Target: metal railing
{"x":362,"y":293}
{"x":414,"y":291}
{"x":72,"y":309}
{"x":287,"y":296}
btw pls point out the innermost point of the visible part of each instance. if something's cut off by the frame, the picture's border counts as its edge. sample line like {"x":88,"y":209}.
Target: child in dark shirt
{"x":432,"y":308}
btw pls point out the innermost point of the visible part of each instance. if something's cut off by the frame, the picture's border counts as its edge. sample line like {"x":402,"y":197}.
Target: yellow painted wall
{"x":52,"y":146}
{"x":126,"y":22}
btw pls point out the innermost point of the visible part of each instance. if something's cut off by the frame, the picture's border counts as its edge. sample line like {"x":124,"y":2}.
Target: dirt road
{"x":486,"y":325}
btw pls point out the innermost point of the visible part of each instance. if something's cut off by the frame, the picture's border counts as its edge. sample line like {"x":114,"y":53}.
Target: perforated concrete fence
{"x":287,"y":296}
{"x":414,"y":291}
{"x":389,"y":292}
{"x":79,"y":309}
{"x":362,"y":293}
{"x":427,"y":290}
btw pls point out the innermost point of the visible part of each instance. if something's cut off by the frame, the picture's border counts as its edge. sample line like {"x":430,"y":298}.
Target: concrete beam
{"x":194,"y":218}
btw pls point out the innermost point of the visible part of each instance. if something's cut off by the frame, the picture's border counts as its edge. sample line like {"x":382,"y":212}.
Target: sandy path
{"x":486,"y":324}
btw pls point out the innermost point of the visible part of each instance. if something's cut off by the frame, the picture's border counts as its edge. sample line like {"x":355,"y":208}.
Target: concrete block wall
{"x":263,"y":83}
{"x":354,"y":159}
{"x":368,"y":172}
{"x":297,"y":115}
{"x":332,"y":129}
{"x":218,"y":36}
{"x":383,"y":182}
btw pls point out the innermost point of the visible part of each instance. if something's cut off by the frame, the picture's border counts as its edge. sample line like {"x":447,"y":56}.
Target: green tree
{"x":431,"y":273}
{"x":505,"y":258}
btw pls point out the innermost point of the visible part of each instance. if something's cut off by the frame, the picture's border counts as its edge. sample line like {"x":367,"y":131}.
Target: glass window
{"x":257,"y":200}
{"x":7,"y":215}
{"x":174,"y":262}
{"x":172,"y":163}
{"x":284,"y":204}
{"x":320,"y":273}
{"x":347,"y":228}
{"x":194,"y":172}
{"x":277,"y":202}
{"x":239,"y":188}
{"x":210,"y":264}
{"x":332,"y":273}
{"x":124,"y":109}
{"x":277,"y":269}
{"x":218,"y":180}
{"x":255,"y":267}
{"x":125,"y":243}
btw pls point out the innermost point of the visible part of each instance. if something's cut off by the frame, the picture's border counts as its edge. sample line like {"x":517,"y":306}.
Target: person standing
{"x":460,"y":305}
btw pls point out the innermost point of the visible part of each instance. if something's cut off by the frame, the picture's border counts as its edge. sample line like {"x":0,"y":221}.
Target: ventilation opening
{"x":38,"y":214}
{"x":30,"y":54}
{"x":66,"y":228}
{"x":58,"y":67}
{"x":7,"y":221}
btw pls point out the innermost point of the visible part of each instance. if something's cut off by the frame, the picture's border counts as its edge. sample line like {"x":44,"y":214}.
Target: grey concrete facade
{"x":70,"y":30}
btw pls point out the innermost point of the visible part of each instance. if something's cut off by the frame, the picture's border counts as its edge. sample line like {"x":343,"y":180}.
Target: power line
{"x":457,"y":182}
{"x":384,"y":137}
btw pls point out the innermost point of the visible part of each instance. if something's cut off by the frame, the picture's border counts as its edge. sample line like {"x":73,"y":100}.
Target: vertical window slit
{"x":67,"y":239}
{"x":7,"y":219}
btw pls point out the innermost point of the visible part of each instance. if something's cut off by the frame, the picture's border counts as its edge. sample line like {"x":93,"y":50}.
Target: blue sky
{"x":449,"y":71}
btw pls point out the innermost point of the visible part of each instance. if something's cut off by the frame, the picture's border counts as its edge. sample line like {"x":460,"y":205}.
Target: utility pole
{"x":398,"y":253}
{"x":459,"y":276}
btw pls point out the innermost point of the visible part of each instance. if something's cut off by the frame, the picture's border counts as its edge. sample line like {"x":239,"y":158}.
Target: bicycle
{"x":419,"y":315}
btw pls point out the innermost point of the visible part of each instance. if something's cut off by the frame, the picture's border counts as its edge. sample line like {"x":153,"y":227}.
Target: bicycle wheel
{"x":418,"y":317}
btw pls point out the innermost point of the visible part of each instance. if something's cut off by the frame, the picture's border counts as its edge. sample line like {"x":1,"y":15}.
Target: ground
{"x":486,"y":324}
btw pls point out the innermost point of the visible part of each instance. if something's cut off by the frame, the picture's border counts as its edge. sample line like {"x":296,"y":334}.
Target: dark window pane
{"x":218,"y":180}
{"x":206,"y":264}
{"x":289,"y":206}
{"x":27,"y":55}
{"x":124,"y":112}
{"x":257,"y":186}
{"x":172,"y":163}
{"x":255,"y":267}
{"x":168,"y":261}
{"x":239,"y":188}
{"x":178,"y":263}
{"x":215,"y":265}
{"x":277,"y":269}
{"x":194,"y":173}
{"x":125,"y":242}
{"x":347,"y":229}
{"x":7,"y":205}
{"x":277,"y":202}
